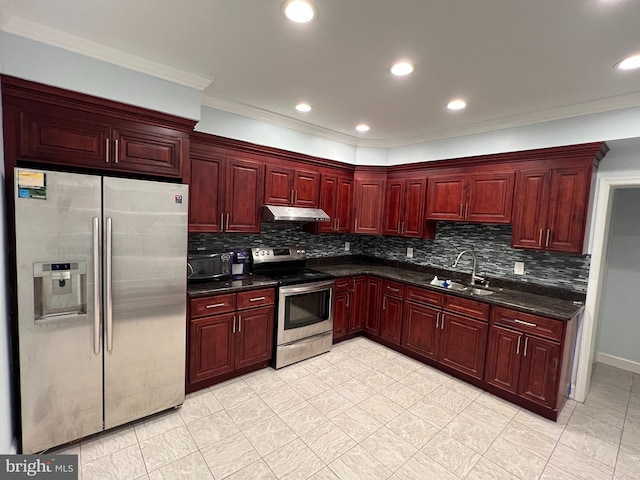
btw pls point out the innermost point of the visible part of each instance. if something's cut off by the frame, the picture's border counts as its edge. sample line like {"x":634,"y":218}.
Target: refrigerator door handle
{"x":108,"y":277}
{"x":96,"y":285}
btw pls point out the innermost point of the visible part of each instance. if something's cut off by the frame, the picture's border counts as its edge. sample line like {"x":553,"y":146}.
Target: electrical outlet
{"x":518,"y":268}
{"x":409,"y":252}
{"x":347,"y":246}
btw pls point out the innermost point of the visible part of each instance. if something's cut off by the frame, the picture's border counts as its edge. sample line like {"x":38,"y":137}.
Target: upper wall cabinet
{"x":291,"y":187}
{"x":551,"y":209}
{"x":552,"y":198}
{"x":368,"y":202}
{"x":336,"y":196}
{"x":404,"y":207}
{"x":54,"y":126}
{"x":225,"y":190}
{"x":471,"y":197}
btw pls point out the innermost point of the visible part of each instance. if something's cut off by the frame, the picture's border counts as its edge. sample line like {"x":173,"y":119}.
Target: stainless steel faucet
{"x":474,"y":277}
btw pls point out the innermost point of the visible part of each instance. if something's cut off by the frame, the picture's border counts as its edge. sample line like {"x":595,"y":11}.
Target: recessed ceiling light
{"x":363,"y":127}
{"x":400,"y":69}
{"x":303,"y":107}
{"x":629,"y":63}
{"x":299,"y":11}
{"x":456,"y":104}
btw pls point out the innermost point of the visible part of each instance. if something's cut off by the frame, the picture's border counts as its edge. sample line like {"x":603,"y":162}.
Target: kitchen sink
{"x":481,"y":292}
{"x":459,"y":287}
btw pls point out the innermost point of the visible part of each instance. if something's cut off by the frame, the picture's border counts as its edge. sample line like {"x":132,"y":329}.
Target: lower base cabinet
{"x":530,"y":356}
{"x":431,"y":329}
{"x":229,"y":332}
{"x":527,"y":357}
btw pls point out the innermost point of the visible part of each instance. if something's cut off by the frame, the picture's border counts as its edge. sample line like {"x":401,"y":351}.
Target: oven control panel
{"x":277,"y":254}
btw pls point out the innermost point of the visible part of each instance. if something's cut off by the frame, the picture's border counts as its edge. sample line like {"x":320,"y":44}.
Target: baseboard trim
{"x":622,"y":363}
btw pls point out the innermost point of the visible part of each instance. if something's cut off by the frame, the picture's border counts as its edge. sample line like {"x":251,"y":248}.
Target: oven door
{"x":304,"y":310}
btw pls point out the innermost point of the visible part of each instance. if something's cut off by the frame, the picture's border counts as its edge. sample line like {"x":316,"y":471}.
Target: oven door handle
{"x":306,"y":287}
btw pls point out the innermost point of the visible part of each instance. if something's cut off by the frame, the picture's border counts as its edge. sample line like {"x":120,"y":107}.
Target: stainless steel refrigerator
{"x":101,"y":289}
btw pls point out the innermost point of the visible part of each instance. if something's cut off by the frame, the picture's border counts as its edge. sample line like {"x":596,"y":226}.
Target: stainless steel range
{"x":304,"y":319}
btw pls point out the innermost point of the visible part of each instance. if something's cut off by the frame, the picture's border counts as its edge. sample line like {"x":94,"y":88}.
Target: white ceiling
{"x":514,"y":61}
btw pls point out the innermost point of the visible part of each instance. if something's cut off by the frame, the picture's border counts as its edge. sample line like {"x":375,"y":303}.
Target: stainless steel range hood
{"x":293,"y":214}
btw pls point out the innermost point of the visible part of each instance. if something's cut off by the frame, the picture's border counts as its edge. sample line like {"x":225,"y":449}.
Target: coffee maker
{"x":239,"y":263}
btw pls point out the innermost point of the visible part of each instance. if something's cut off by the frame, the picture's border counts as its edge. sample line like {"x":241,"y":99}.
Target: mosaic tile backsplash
{"x":491,"y":243}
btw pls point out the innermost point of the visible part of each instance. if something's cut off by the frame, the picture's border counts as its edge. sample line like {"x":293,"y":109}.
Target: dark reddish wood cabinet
{"x":228,"y":332}
{"x":551,"y":208}
{"x":358,"y":303}
{"x":392,"y":307}
{"x":336,"y":196}
{"x":341,"y":307}
{"x":211,"y":347}
{"x":254,"y":336}
{"x":56,"y":126}
{"x":372,"y":305}
{"x":291,"y":187}
{"x":471,"y":197}
{"x":530,"y":356}
{"x":463,"y":343}
{"x":404,"y":207}
{"x":368,"y":202}
{"x":421,"y":329}
{"x":225,"y":190}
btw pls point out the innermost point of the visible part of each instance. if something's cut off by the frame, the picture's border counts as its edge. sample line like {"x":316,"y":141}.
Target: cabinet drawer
{"x":256,"y":298}
{"x":396,"y":289}
{"x":203,"y":306}
{"x":525,"y":322}
{"x":342,"y":284}
{"x":467,"y":307}
{"x":424,"y":296}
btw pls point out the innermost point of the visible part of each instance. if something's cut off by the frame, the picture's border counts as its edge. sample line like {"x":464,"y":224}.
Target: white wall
{"x":619,"y":324}
{"x":613,"y":125}
{"x":6,"y":434}
{"x":54,"y":66}
{"x":238,"y":127}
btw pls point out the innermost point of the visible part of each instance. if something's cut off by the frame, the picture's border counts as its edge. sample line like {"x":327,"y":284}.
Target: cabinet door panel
{"x":393,"y":201}
{"x":306,"y":186}
{"x":278,"y":185}
{"x":391,"y":319}
{"x":211,"y":347}
{"x":420,"y":330}
{"x":530,"y":210}
{"x":539,"y":371}
{"x":415,"y":191}
{"x":57,"y":137}
{"x":343,"y":201}
{"x":568,"y":202}
{"x":205,"y":194}
{"x":243,"y":195}
{"x":368,"y":206}
{"x":328,"y":202}
{"x":463,"y":343}
{"x":357,"y":308}
{"x":373,"y":300}
{"x":153,"y":150}
{"x":446,"y":197}
{"x":490,"y":197}
{"x":503,"y":358}
{"x":254,"y":336}
{"x":340,"y":315}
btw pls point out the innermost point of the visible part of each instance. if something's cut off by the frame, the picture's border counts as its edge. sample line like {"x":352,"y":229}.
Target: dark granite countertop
{"x":547,"y":306}
{"x":251,"y":282}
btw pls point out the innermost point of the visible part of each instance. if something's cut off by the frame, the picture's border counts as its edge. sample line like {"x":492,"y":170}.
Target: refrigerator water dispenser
{"x":60,"y":290}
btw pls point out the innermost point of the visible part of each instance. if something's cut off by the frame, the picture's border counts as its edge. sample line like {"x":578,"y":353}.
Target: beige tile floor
{"x":363,"y":411}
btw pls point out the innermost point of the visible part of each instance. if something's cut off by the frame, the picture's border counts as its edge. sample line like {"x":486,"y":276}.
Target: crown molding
{"x":557,"y":113}
{"x":41,"y":33}
{"x":591,"y":107}
{"x":260,"y":114}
